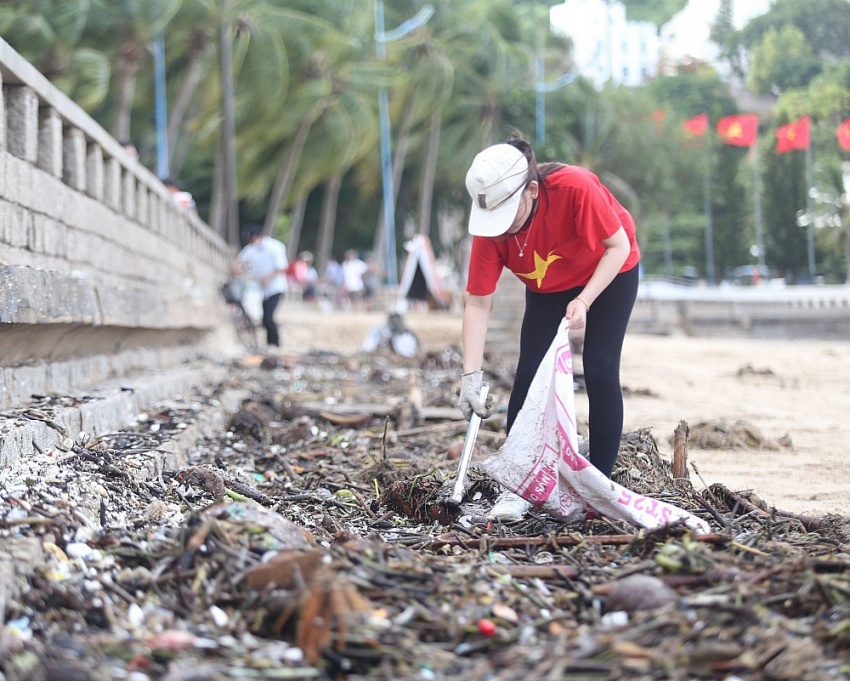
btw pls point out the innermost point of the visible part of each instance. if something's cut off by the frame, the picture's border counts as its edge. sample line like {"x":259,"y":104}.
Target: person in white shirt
{"x":264,"y":260}
{"x":353,"y":269}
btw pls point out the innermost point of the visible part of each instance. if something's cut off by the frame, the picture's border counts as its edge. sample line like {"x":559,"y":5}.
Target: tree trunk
{"x":187,"y":91}
{"x":286,"y":175}
{"x":230,"y":193}
{"x":297,"y":223}
{"x":129,"y":64}
{"x":327,"y":225}
{"x":216,"y":217}
{"x":426,"y":194}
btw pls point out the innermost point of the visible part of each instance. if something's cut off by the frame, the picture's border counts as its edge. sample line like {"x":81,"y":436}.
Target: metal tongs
{"x":468,"y":446}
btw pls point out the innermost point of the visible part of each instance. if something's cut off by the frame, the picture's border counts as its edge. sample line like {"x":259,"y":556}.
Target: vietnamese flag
{"x":794,"y":136}
{"x":696,"y":126}
{"x":843,"y":133}
{"x":739,"y":131}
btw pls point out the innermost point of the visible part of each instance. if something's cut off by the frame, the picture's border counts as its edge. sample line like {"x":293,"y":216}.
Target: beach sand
{"x":799,"y":389}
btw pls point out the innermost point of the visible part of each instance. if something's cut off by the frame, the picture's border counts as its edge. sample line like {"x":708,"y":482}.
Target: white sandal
{"x":509,"y":506}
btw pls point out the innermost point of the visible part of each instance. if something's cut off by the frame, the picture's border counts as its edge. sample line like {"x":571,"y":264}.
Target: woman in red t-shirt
{"x":566,"y":237}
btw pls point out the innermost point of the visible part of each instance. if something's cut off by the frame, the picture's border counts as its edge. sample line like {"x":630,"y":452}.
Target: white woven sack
{"x":540,"y":458}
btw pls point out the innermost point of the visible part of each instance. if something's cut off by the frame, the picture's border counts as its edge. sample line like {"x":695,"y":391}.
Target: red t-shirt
{"x":575,"y":213}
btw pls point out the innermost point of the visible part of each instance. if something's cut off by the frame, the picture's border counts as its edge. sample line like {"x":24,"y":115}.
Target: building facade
{"x":607,"y":47}
{"x":687,"y":36}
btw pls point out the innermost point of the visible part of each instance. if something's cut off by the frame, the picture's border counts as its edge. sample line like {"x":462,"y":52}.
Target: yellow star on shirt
{"x":540,"y":268}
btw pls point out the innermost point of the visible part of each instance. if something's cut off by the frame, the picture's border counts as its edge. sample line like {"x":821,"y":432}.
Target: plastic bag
{"x":540,"y":459}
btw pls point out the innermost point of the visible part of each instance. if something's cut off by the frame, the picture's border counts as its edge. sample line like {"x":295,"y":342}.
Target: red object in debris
{"x":137,"y":663}
{"x":487,"y":627}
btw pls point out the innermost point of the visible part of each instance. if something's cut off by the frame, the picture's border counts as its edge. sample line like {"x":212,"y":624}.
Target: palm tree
{"x":275,"y":120}
{"x":484,"y":61}
{"x":442,"y":79}
{"x":190,"y":41}
{"x":50,"y":35}
{"x":130,"y":27}
{"x":272,"y":47}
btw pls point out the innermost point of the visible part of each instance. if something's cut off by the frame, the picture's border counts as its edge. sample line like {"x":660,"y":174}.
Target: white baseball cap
{"x":495,"y":181}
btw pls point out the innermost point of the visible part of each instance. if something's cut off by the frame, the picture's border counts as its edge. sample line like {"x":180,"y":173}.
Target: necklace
{"x":522,"y":248}
{"x":527,"y":227}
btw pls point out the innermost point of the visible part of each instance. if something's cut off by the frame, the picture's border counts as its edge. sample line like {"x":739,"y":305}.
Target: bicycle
{"x":246,"y":330}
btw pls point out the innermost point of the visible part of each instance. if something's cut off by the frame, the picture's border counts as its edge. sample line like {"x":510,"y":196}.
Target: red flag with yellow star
{"x":696,"y":126}
{"x":792,"y":137}
{"x":843,"y":133}
{"x":739,"y":131}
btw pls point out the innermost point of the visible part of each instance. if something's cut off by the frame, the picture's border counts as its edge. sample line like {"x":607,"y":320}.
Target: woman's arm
{"x":476,"y":317}
{"x":617,"y":249}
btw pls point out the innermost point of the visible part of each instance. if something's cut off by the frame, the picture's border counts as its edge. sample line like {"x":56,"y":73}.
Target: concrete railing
{"x":101,"y":273}
{"x":757,"y":312}
{"x":754,"y":312}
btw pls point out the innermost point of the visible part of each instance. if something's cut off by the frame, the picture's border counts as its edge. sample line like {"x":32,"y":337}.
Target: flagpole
{"x":810,"y":231}
{"x":759,"y":222}
{"x":709,"y":230}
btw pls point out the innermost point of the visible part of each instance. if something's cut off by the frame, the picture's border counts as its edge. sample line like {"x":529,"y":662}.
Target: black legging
{"x":603,"y":345}
{"x":269,"y":307}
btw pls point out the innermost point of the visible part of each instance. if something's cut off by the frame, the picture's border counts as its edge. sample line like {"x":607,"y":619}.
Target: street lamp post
{"x":542,"y":88}
{"x":810,"y":234}
{"x":381,"y":39}
{"x":161,"y":116}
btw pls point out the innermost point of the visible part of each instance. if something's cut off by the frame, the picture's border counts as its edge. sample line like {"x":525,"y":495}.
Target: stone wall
{"x":101,"y":273}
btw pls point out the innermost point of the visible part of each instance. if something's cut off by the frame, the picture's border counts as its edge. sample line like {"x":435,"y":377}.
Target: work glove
{"x":470,"y":396}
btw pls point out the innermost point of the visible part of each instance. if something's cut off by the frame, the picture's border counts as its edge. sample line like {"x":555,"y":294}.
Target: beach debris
{"x":288,"y":545}
{"x":738,"y":435}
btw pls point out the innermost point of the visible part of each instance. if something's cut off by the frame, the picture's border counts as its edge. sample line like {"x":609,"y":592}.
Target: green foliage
{"x":51,"y":35}
{"x":782,"y":60}
{"x":732,"y":208}
{"x":658,"y":12}
{"x":785,"y":242}
{"x":647,"y":155}
{"x":685,"y":96}
{"x":724,"y":34}
{"x":824,"y":23}
{"x":283,"y":227}
{"x":827,"y":101}
{"x":826,"y":98}
{"x":307,"y":80}
{"x":44,"y":31}
{"x":692,"y":93}
{"x":672,"y":244}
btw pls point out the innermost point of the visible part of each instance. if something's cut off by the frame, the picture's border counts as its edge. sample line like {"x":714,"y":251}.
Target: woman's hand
{"x":617,"y":248}
{"x":577,"y":313}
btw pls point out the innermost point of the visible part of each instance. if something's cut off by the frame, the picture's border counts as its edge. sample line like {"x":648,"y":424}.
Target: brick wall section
{"x":93,"y":247}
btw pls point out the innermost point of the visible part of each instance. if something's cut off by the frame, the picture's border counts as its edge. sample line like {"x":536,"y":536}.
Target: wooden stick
{"x":552,"y":572}
{"x":736,"y":501}
{"x":448,"y":427}
{"x":565,"y":540}
{"x":680,"y":450}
